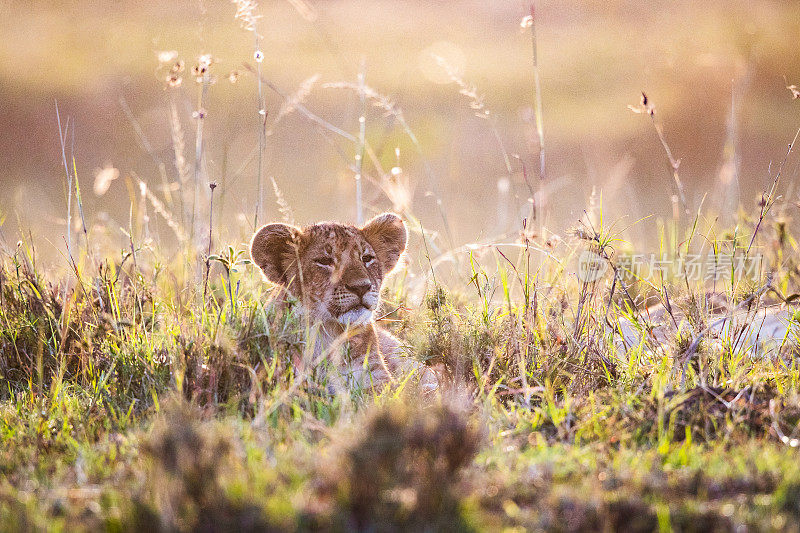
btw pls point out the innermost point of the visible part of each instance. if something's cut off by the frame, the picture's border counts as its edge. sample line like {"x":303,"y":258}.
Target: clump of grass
{"x":189,"y":460}
{"x":402,"y":469}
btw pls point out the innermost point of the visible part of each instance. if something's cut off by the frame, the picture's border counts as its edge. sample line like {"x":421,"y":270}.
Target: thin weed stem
{"x":646,"y":107}
{"x":211,"y":186}
{"x":538,"y":90}
{"x":262,"y":130}
{"x":362,"y":132}
{"x":768,"y":197}
{"x":203,"y":67}
{"x":62,"y":134}
{"x":178,"y":145}
{"x":147,"y":147}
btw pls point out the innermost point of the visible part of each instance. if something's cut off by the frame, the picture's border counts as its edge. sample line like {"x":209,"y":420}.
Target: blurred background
{"x":457,"y":122}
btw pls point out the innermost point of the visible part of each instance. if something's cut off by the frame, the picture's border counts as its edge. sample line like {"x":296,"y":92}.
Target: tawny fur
{"x":755,"y":329}
{"x":336,"y":272}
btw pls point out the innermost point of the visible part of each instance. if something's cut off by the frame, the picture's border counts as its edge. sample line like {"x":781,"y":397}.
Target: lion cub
{"x":336,"y":272}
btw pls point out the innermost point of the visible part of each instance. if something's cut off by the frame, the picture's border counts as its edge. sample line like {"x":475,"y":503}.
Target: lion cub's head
{"x":335,"y":270}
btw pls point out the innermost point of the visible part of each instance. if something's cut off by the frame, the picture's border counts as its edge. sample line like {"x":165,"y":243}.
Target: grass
{"x":131,"y":404}
{"x":167,"y":387}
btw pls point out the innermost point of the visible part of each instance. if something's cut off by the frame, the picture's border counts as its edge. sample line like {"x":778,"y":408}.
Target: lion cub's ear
{"x":388,"y":235}
{"x":273,"y":249}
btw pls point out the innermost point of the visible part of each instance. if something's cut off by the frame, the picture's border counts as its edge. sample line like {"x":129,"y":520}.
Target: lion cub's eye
{"x":324,"y":261}
{"x":367,"y":258}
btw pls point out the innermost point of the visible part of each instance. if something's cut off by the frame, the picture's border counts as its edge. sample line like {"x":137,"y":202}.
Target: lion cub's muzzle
{"x":354,"y":302}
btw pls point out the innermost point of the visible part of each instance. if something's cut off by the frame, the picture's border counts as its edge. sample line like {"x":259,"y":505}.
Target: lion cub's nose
{"x":359,"y":288}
